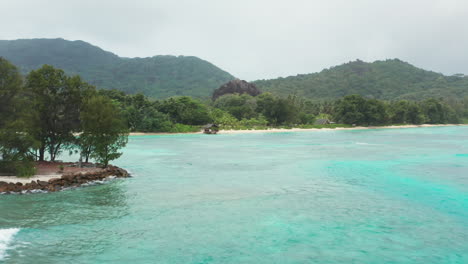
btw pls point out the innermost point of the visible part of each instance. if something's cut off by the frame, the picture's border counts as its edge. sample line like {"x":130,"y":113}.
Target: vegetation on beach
{"x":41,"y":118}
{"x":103,"y":130}
{"x":48,"y":112}
{"x":234,"y":111}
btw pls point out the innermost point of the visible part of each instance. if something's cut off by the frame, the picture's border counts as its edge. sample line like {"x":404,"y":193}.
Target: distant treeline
{"x":234,"y":111}
{"x":46,"y":113}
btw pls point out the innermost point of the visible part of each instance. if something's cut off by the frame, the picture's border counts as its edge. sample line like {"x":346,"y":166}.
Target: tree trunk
{"x":51,"y":153}
{"x":106,"y":161}
{"x":87,"y":153}
{"x":56,"y":150}
{"x":41,"y":153}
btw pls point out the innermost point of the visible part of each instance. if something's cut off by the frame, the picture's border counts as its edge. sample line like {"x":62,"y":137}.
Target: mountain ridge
{"x":157,"y":76}
{"x":382,"y":79}
{"x":162,"y":76}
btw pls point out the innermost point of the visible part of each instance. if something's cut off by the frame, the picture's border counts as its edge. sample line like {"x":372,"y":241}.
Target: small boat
{"x":211,"y":129}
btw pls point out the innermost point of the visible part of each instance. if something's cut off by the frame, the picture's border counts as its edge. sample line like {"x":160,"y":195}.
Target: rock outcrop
{"x":66,"y":181}
{"x":236,"y":86}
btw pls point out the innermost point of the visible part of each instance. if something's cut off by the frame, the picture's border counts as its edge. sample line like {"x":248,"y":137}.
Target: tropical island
{"x":46,"y":112}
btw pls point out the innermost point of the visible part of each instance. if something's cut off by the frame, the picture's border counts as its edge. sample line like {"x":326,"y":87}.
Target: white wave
{"x":369,"y":144}
{"x":6,"y":236}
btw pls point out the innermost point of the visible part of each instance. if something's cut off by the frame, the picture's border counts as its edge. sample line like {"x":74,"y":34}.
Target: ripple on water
{"x":330,"y":197}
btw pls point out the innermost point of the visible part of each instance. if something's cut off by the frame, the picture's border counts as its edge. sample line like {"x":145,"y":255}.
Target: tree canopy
{"x":45,"y":115}
{"x":104,"y":131}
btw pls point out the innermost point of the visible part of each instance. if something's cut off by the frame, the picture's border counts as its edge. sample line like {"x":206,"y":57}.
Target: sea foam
{"x":6,"y":236}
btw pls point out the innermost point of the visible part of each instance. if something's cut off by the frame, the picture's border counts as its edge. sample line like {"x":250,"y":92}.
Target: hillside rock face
{"x":236,"y":86}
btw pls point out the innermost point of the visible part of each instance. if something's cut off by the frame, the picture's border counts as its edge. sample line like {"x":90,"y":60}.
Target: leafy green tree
{"x":10,"y":87}
{"x":240,"y":106}
{"x":15,"y":144}
{"x":351,"y":110}
{"x":16,"y":151}
{"x":223,"y":118}
{"x":414,"y":114}
{"x":278,"y":110}
{"x":104,"y":131}
{"x":57,"y":100}
{"x":284,"y":112}
{"x":155,"y":121}
{"x":266,"y":105}
{"x":376,"y":112}
{"x":305,"y":118}
{"x":433,"y":111}
{"x":399,"y":112}
{"x":185,"y":110}
{"x":355,"y":109}
{"x":450,"y":116}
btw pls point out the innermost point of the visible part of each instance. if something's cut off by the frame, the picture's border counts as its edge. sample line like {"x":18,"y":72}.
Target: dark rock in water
{"x":34,"y":185}
{"x":236,"y":86}
{"x":42,"y":183}
{"x":3,"y":187}
{"x":68,"y":177}
{"x":67,"y":180}
{"x":13,"y":187}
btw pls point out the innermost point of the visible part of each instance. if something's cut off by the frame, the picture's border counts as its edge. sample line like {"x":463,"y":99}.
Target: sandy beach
{"x":14,"y":179}
{"x":279,"y":130}
{"x":47,"y":170}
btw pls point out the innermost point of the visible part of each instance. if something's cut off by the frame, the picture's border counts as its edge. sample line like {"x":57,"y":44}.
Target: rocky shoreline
{"x":67,"y":180}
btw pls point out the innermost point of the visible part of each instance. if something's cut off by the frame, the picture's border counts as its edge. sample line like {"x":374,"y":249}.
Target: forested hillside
{"x":158,"y":76}
{"x":166,"y":76}
{"x":389,"y":80}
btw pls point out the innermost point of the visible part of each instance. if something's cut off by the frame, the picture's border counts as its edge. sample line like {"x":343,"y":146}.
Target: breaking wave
{"x":6,"y":236}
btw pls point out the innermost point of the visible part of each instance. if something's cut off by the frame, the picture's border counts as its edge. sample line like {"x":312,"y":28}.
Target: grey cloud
{"x":256,"y":39}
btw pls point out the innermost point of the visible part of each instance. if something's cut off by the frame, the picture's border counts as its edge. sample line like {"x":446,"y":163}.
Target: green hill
{"x":165,"y":76}
{"x":390,"y":79}
{"x":158,"y":76}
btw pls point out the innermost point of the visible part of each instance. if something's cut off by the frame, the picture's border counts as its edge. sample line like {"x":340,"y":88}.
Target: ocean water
{"x":360,"y":196}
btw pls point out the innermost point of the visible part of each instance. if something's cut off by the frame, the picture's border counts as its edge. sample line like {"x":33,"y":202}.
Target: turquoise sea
{"x":355,"y":196}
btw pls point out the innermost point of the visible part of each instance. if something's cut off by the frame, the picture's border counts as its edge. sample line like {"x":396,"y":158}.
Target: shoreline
{"x":279,"y":130}
{"x":57,"y":182}
{"x":24,"y":180}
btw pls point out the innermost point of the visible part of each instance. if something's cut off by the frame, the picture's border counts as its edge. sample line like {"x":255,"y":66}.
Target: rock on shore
{"x":67,"y":180}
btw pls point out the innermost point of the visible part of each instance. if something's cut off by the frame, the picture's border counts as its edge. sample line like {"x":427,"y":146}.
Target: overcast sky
{"x":256,"y":39}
